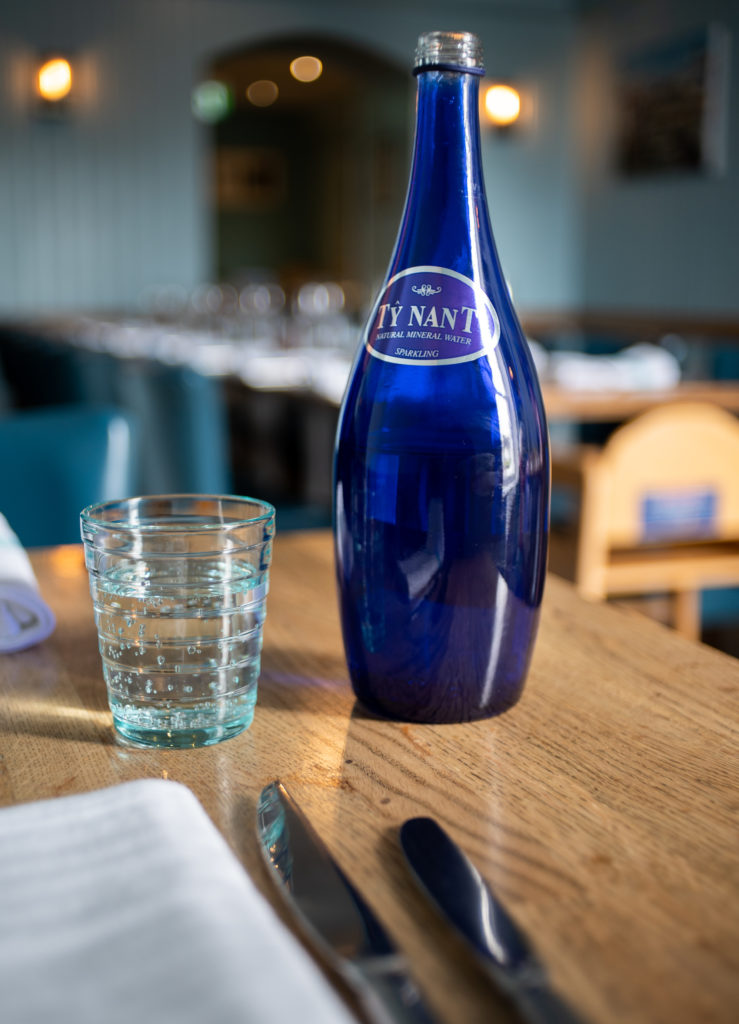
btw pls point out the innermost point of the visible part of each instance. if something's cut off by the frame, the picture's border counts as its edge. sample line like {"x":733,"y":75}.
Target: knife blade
{"x":454,"y":885}
{"x":332,"y":913}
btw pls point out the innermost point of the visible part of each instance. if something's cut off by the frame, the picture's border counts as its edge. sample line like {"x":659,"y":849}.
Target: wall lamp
{"x":502,"y":104}
{"x":505,"y":107}
{"x":54,"y":80}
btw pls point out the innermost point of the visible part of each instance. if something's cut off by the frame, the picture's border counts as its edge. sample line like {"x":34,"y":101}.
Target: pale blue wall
{"x":531,"y":173}
{"x":668,"y":241}
{"x":96,"y":208}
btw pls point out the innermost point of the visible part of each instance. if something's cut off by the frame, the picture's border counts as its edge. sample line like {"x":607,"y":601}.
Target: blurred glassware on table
{"x":640,"y":367}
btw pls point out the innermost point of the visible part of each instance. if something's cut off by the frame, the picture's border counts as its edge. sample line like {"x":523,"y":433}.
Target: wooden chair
{"x":659,"y":508}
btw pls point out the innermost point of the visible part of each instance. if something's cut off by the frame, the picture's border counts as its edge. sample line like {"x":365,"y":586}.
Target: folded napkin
{"x":126,"y":904}
{"x":25,"y":618}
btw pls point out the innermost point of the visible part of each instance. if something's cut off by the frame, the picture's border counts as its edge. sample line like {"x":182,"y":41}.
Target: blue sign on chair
{"x":679,"y":515}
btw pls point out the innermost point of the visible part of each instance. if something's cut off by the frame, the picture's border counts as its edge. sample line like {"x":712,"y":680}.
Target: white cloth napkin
{"x":25,"y":618}
{"x":126,"y":904}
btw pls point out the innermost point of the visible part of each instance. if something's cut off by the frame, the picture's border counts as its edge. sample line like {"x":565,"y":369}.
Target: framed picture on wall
{"x":250,"y":178}
{"x":672,"y":105}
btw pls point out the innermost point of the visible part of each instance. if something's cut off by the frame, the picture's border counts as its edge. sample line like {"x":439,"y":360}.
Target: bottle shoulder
{"x":460,"y":405}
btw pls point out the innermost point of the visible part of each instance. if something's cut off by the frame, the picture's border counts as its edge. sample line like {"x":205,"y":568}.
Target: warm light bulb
{"x":502,"y":104}
{"x":262,"y":93}
{"x":306,"y":69}
{"x":54,"y":79}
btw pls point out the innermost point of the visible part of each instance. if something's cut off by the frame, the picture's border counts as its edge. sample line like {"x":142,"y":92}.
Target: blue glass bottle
{"x":441,"y":469}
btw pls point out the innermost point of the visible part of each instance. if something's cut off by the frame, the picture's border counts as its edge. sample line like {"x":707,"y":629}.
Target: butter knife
{"x":333,"y":915}
{"x":455,"y":886}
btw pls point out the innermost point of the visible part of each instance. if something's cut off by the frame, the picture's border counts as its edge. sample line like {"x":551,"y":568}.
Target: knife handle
{"x":389,"y":996}
{"x":540,"y":1004}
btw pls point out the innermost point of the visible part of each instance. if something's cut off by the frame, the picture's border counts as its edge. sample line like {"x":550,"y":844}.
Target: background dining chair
{"x":184,"y":435}
{"x":659,"y":508}
{"x":23,"y":354}
{"x":54,"y":461}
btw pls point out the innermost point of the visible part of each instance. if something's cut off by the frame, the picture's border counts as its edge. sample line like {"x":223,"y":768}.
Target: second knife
{"x":458,"y":890}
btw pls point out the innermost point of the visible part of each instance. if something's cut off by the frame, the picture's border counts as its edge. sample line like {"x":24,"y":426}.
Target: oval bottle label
{"x":431,"y":316}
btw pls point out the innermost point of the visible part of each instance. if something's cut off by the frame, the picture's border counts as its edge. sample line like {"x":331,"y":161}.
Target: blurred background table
{"x":602,"y":808}
{"x":599,"y":406}
{"x":240,"y":393}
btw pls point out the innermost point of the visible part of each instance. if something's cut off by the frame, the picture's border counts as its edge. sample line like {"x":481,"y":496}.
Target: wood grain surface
{"x":603,"y":808}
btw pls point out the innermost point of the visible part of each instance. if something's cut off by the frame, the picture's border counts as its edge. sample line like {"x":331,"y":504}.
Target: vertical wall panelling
{"x":113,"y":198}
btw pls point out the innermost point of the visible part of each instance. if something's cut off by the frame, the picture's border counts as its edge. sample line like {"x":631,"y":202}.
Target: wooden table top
{"x":602,"y":808}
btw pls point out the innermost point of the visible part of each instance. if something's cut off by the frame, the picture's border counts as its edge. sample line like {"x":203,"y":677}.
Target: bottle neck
{"x":446,"y":197}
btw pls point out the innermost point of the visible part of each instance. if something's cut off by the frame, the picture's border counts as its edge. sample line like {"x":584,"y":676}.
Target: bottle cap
{"x":449,"y":51}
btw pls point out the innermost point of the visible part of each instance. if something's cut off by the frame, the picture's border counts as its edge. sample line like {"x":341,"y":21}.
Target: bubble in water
{"x":161,"y":659}
{"x":191,"y":649}
{"x":129,"y":622}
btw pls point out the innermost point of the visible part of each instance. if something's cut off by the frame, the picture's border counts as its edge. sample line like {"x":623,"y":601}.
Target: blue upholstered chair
{"x":184,"y":443}
{"x":56,"y":460}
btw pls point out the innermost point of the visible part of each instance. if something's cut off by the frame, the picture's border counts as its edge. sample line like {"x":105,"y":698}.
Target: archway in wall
{"x":309,"y":176}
